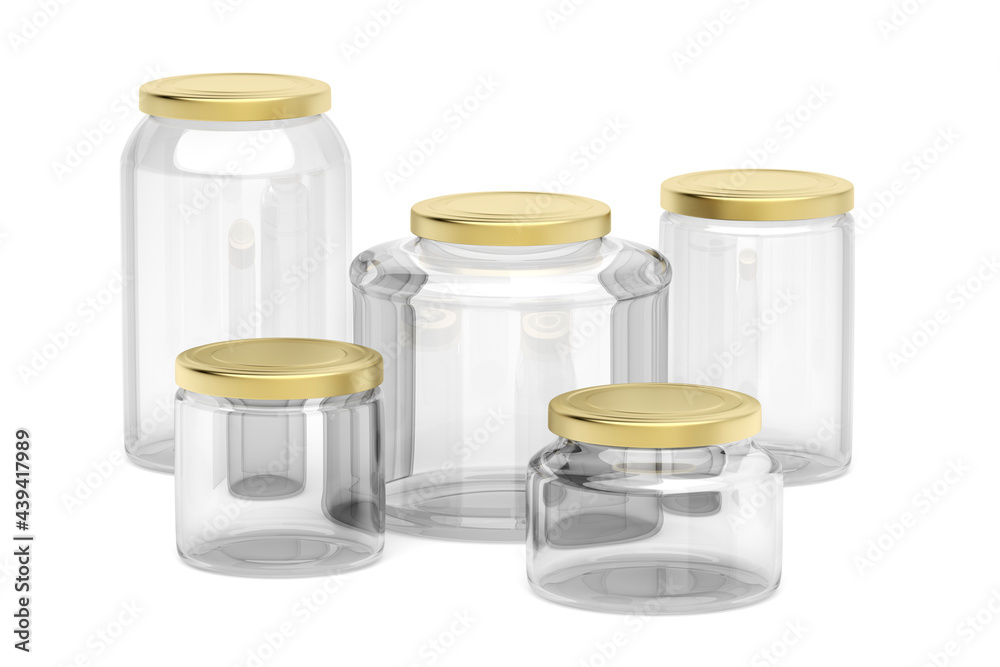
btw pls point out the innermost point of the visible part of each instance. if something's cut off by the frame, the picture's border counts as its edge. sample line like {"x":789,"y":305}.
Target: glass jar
{"x":502,"y":301}
{"x":279,"y":460}
{"x":763,"y":303}
{"x":236,"y":224}
{"x":654,"y":499}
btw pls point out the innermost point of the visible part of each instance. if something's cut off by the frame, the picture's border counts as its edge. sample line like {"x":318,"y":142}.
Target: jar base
{"x":158,"y":456}
{"x":478,"y":505}
{"x":269,"y":487}
{"x":654,"y":586}
{"x":281,"y":556}
{"x":799,"y":467}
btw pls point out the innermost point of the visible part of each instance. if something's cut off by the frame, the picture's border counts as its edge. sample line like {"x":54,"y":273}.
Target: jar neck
{"x":705,"y":460}
{"x":444,"y":249}
{"x":277,"y":406}
{"x":234,"y":126}
{"x":760,"y":227}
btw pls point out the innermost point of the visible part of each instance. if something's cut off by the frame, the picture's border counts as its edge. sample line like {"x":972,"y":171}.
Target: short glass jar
{"x":279,"y":465}
{"x":235,"y":224}
{"x":763,"y":302}
{"x":654,"y":500}
{"x":501,"y":302}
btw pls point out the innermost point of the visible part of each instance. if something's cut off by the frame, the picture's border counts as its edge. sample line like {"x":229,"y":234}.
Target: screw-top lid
{"x":510,"y":218}
{"x":279,"y":368}
{"x":760,"y":194}
{"x":234,"y":97}
{"x":655,"y":416}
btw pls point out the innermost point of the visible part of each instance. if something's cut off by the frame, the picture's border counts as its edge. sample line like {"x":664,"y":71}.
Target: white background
{"x":881,"y":96}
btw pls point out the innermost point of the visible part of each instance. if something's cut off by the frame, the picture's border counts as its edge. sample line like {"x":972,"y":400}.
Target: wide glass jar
{"x":502,"y":301}
{"x":763,"y":303}
{"x":654,"y":499}
{"x":236,"y":224}
{"x":279,"y":461}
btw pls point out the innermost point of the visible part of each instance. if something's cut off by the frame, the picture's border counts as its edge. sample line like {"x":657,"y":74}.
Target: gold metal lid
{"x":510,"y":218}
{"x":761,"y":194}
{"x":655,"y":416}
{"x":279,"y":368}
{"x":234,"y":97}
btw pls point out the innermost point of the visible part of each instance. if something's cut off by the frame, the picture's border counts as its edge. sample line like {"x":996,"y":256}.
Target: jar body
{"x":766,"y":308}
{"x":230,"y":230}
{"x":476,"y":341}
{"x":654,"y":531}
{"x":279,"y":488}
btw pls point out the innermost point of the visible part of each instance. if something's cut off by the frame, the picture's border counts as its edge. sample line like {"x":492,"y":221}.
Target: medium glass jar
{"x":763,"y":303}
{"x":236,"y":224}
{"x":654,"y":500}
{"x":279,"y":462}
{"x":502,"y":301}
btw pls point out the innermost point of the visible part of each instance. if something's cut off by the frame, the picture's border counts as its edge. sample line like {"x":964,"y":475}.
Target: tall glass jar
{"x":654,"y":499}
{"x":763,"y":303}
{"x":236,"y":224}
{"x":279,"y":457}
{"x":502,"y":301}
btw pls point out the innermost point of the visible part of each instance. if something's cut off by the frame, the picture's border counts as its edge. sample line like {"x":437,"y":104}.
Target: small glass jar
{"x":236,"y":224}
{"x":279,"y":463}
{"x":762,"y":303}
{"x":654,"y":500}
{"x":502,"y":301}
